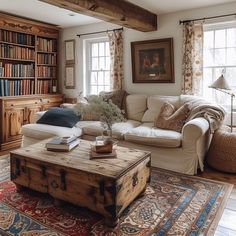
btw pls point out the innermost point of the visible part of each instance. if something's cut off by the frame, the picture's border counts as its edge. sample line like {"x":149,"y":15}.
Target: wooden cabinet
{"x":17,"y":111}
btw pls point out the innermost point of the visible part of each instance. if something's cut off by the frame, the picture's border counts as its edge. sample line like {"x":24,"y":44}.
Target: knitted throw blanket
{"x":213,"y":113}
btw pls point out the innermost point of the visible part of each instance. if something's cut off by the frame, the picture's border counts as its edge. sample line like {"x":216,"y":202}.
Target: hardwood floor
{"x":227,"y":223}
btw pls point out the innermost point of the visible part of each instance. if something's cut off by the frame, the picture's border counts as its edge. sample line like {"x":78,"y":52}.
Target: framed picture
{"x":153,"y":61}
{"x":70,"y":51}
{"x":70,"y":77}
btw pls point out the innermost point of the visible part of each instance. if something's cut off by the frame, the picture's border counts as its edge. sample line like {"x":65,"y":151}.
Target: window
{"x":219,"y":54}
{"x":97,"y":76}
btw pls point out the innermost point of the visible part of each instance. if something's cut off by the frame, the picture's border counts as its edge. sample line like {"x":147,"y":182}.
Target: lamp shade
{"x":220,"y":83}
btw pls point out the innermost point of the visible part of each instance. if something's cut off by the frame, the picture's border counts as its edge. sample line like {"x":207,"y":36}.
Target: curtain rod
{"x":205,"y":18}
{"x":99,"y":32}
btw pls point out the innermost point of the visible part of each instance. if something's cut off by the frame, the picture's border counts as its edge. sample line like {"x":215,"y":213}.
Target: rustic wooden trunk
{"x":106,"y":186}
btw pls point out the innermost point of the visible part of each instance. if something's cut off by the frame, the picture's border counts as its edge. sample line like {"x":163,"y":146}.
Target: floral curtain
{"x":116,"y":53}
{"x":192,"y":63}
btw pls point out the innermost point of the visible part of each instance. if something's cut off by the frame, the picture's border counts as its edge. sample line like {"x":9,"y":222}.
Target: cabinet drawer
{"x":23,"y":102}
{"x":56,"y":99}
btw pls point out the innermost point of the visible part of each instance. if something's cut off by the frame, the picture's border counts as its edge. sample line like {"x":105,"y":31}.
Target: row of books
{"x":45,"y":71}
{"x":44,"y":86}
{"x":48,"y":45}
{"x":47,"y":59}
{"x":13,"y":37}
{"x":16,"y":87}
{"x":16,"y":52}
{"x":16,"y":70}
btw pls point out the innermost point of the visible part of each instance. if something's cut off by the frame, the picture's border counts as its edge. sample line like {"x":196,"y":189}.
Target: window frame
{"x":88,"y":62}
{"x":215,"y":95}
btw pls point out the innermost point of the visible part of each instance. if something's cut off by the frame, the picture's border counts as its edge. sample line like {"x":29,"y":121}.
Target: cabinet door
{"x":14,"y":119}
{"x":30,"y":113}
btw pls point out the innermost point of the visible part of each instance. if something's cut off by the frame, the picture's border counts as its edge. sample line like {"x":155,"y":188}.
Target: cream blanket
{"x":213,"y":113}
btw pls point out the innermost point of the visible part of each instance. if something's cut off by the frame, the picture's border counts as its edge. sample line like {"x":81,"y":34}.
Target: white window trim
{"x":219,"y":26}
{"x":86,"y":56}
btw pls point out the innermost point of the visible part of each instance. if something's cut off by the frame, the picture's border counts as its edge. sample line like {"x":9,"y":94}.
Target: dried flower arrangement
{"x":108,"y":112}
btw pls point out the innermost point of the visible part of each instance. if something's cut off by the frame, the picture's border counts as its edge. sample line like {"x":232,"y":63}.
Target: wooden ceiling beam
{"x":119,"y":12}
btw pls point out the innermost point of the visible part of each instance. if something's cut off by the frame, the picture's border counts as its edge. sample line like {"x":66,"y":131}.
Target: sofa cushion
{"x":118,"y":129}
{"x":136,"y":105}
{"x":147,"y":134}
{"x":59,"y":117}
{"x":42,"y":131}
{"x":154,"y":104}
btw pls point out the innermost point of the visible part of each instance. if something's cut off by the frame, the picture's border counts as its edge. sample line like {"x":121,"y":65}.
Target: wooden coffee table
{"x":106,"y":186}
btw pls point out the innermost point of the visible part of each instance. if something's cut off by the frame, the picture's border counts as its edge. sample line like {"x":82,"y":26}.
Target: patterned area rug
{"x":173,"y":204}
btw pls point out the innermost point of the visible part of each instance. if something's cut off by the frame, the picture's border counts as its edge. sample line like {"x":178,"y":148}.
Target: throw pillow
{"x":59,"y":117}
{"x":172,"y":119}
{"x":118,"y":97}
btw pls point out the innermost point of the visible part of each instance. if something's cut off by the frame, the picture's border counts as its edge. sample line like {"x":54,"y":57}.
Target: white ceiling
{"x":37,"y":10}
{"x":167,"y":6}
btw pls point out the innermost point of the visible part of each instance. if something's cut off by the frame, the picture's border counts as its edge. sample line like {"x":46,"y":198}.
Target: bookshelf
{"x":28,"y":57}
{"x":28,"y":74}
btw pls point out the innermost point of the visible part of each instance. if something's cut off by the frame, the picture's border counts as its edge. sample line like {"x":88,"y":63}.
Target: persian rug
{"x":173,"y":204}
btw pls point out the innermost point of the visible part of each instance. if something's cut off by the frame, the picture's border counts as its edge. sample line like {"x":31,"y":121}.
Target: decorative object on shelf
{"x":70,"y":51}
{"x":222,"y":85}
{"x":153,"y":61}
{"x":108,"y":112}
{"x":70,"y":77}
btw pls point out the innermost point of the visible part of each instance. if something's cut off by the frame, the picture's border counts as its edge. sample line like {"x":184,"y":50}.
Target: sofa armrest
{"x":194,"y":130}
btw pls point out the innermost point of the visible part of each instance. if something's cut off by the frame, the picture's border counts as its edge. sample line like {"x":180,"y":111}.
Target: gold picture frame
{"x":70,"y":51}
{"x":153,"y":61}
{"x":70,"y":76}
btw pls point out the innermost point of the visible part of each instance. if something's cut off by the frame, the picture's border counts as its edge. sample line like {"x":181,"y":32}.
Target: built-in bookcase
{"x":28,"y":57}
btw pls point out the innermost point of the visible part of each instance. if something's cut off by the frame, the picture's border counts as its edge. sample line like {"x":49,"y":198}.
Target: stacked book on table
{"x":62,"y":144}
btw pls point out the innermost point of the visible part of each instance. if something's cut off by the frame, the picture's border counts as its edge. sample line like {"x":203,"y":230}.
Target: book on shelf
{"x":15,"y":37}
{"x":46,"y":45}
{"x":16,"y":87}
{"x":56,"y":144}
{"x":16,"y":52}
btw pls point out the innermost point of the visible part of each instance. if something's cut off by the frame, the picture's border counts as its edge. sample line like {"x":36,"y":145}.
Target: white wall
{"x":168,"y":26}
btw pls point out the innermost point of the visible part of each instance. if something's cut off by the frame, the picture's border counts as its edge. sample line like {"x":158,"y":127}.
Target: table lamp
{"x":222,"y":85}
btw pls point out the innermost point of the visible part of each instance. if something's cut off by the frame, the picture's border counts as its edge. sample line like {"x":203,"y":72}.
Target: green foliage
{"x":108,"y":112}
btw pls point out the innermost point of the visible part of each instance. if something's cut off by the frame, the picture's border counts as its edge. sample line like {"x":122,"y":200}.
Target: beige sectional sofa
{"x":181,"y":152}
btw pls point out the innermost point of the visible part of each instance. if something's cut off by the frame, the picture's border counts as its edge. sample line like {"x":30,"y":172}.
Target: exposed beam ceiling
{"x":118,"y":12}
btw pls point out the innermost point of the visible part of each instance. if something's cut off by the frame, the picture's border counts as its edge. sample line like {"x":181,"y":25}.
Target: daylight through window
{"x":219,"y":55}
{"x":98,"y":66}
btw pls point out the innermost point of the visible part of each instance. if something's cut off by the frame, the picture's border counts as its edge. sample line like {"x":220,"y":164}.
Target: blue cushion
{"x":59,"y":117}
